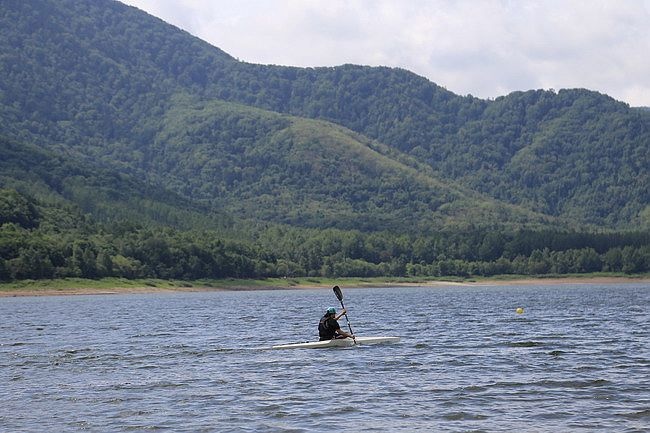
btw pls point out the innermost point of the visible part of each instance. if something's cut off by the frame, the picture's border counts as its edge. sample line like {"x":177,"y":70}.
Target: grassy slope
{"x":308,"y":173}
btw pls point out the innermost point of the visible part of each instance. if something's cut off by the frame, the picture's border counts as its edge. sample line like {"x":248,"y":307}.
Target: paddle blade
{"x":338,"y":293}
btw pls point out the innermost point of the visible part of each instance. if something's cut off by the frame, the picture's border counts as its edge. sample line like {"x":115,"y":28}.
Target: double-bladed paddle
{"x":339,"y":295}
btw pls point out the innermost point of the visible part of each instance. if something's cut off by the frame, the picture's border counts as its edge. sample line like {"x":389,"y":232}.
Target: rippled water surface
{"x":577,"y":359}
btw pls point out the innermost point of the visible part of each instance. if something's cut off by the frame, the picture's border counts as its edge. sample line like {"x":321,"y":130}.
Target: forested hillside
{"x":264,"y":166}
{"x":131,"y":148}
{"x":575,"y":153}
{"x":98,"y":76}
{"x":64,"y":179}
{"x":122,"y":89}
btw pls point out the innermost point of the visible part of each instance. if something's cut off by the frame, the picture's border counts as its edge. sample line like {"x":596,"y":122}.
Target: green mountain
{"x":308,"y":173}
{"x":346,"y":147}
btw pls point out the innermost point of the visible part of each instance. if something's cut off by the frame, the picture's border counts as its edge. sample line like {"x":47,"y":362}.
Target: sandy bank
{"x":61,"y":291}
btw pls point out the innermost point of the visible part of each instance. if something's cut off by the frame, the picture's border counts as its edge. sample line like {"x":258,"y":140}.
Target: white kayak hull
{"x":340,"y":342}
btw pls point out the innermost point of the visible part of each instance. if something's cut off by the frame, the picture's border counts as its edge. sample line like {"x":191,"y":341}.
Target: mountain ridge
{"x":99,"y":75}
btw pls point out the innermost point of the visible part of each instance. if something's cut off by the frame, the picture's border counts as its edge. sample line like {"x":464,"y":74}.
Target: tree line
{"x":38,"y":242}
{"x":166,"y":254}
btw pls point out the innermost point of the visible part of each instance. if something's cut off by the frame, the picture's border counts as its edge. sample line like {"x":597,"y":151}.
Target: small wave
{"x":525,"y":344}
{"x":475,"y":388}
{"x":89,"y":358}
{"x":166,"y":384}
{"x":72,"y":356}
{"x":144,"y":427}
{"x":75,"y":351}
{"x":146,"y":385}
{"x":463,"y":416}
{"x":148,"y":367}
{"x":511,"y":384}
{"x":643,"y":414}
{"x":132,"y":413}
{"x":153,"y":335}
{"x":556,"y":353}
{"x":575,"y":384}
{"x":234,"y":349}
{"x":585,"y":368}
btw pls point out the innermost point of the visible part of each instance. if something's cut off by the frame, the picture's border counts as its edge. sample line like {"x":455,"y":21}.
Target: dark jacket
{"x":327,"y":327}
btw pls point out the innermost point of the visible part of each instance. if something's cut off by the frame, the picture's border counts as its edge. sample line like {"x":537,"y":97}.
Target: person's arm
{"x":343,"y":311}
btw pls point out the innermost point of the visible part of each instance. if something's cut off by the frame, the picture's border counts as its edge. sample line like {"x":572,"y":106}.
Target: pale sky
{"x":486,"y":48}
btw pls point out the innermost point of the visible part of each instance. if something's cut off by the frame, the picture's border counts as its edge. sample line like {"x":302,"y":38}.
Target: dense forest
{"x":131,"y":148}
{"x":50,"y":241}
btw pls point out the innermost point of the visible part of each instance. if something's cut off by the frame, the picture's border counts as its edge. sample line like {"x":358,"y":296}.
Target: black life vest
{"x":327,"y":329}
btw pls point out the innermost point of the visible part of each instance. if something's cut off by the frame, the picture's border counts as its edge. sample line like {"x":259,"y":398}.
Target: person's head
{"x":331,"y":311}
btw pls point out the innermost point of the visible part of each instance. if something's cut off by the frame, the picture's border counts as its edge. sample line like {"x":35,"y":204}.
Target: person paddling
{"x":328,"y":327}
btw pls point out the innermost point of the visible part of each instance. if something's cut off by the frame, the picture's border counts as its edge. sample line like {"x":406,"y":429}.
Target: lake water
{"x":577,"y":359}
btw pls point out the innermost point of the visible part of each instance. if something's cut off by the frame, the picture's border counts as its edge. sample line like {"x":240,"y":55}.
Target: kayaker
{"x":328,"y":327}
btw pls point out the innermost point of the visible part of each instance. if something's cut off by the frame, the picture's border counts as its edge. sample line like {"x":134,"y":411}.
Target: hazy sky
{"x":486,"y":48}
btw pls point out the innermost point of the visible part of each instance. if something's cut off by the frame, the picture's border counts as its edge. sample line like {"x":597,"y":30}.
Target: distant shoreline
{"x":100,"y":287}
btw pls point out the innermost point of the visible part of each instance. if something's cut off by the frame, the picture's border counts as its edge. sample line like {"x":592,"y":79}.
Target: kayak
{"x":339,"y":342}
